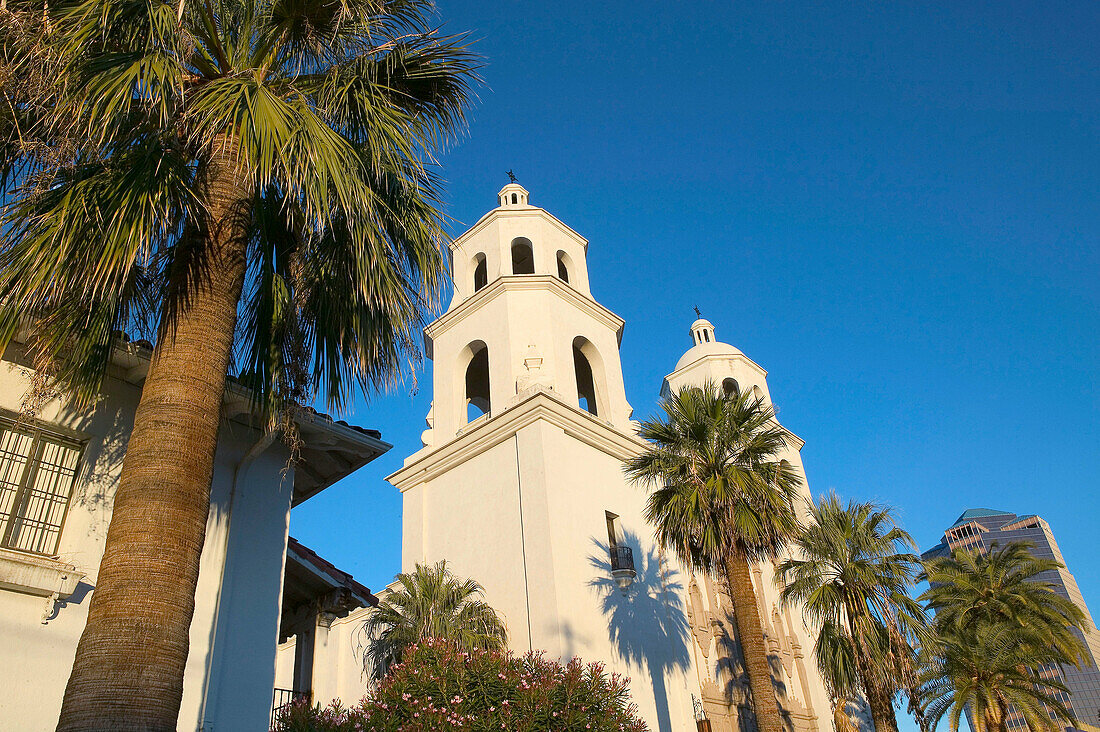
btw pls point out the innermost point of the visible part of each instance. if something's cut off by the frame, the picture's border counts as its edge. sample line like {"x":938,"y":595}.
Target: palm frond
{"x":430,"y":602}
{"x":719,"y":483}
{"x":333,"y":110}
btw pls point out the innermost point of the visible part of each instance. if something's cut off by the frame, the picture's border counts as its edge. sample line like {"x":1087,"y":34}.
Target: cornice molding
{"x":539,"y":405}
{"x":718,"y":357}
{"x":529,"y":212}
{"x":518,"y":283}
{"x":800,"y":443}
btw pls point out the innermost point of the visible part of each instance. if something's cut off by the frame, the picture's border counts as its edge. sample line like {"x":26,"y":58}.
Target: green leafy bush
{"x":438,"y":687}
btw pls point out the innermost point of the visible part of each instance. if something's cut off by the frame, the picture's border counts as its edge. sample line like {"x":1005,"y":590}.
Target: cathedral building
{"x":520,"y":485}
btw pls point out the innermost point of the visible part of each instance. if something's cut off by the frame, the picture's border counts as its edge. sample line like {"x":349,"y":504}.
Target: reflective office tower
{"x":979,"y":529}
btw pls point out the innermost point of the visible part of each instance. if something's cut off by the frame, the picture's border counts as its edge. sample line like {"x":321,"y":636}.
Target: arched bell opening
{"x":565,"y":264}
{"x":730,"y":389}
{"x":481,"y":272}
{"x":591,"y":382}
{"x":523,"y":256}
{"x":476,"y":400}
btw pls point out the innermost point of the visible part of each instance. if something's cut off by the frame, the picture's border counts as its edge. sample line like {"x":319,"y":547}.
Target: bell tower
{"x":800,"y":690}
{"x":519,"y":483}
{"x":522,"y":316}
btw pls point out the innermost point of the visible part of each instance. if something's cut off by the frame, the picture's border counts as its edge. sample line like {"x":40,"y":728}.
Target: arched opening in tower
{"x":730,"y":389}
{"x":477,"y":385}
{"x":523,"y":256}
{"x":586,"y":384}
{"x":563,"y":266}
{"x":481,"y":272}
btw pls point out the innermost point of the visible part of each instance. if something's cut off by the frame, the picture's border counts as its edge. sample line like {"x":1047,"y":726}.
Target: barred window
{"x":37,"y":470}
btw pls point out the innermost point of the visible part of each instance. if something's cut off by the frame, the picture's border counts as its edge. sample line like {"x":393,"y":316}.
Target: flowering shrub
{"x":437,"y":687}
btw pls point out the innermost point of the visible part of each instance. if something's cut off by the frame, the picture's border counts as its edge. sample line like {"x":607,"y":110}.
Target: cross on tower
{"x":512,"y":177}
{"x":697,"y":313}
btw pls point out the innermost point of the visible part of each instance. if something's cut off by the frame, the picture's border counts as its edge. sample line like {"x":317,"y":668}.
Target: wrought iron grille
{"x":622,"y":557}
{"x":37,"y":471}
{"x":283,"y":699}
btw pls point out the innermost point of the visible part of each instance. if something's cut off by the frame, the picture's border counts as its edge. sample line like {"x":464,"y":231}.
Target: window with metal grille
{"x":37,"y":470}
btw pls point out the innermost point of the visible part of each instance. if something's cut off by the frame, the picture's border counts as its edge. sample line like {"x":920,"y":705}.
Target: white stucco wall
{"x":526,"y":518}
{"x":237,"y":652}
{"x":38,"y":657}
{"x":338,"y":665}
{"x":242,"y":617}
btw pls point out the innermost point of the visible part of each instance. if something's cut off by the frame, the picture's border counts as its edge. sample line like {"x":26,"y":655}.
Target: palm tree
{"x":994,"y":672}
{"x":243,"y":180}
{"x":1003,"y":587}
{"x":851,"y":573}
{"x":430,"y":602}
{"x":722,"y":500}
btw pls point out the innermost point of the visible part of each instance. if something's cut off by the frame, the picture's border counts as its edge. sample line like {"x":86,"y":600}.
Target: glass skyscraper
{"x":979,"y":529}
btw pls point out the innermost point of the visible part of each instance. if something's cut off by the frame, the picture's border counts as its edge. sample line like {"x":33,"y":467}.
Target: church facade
{"x":519,"y":484}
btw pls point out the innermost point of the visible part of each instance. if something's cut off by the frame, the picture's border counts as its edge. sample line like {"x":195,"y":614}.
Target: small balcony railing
{"x":622,"y":559}
{"x":622,"y":567}
{"x":283,"y":699}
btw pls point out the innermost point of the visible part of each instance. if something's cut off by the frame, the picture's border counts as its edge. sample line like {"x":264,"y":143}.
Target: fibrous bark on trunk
{"x":879,"y":699}
{"x":881,"y":703}
{"x":755,"y":652}
{"x":128,"y":671}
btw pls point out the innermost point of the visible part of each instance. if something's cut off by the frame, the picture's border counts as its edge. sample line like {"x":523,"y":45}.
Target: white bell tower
{"x":520,"y":482}
{"x":522,"y":316}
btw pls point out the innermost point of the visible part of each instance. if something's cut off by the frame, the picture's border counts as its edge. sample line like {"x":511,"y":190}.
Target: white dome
{"x":706,"y":349}
{"x":702,"y":334}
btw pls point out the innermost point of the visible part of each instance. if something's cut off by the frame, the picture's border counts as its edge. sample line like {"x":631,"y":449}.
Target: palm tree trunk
{"x":881,"y":703}
{"x":879,"y":698}
{"x":751,"y":631}
{"x":991,"y":722}
{"x":128,"y":672}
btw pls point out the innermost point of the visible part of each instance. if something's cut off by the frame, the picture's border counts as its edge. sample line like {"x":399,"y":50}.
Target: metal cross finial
{"x":512,"y":177}
{"x":697,"y":313}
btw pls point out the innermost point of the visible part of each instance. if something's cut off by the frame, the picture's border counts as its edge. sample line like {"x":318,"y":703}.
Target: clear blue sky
{"x":892,"y":207}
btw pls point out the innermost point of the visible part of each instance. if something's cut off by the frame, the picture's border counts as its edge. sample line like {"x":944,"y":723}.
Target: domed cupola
{"x":710,"y":360}
{"x":513,"y":195}
{"x":702,"y":331}
{"x":705,"y":344}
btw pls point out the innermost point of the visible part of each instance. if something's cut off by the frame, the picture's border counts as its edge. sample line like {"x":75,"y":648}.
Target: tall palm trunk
{"x":991,"y":720}
{"x":880,"y":699}
{"x":128,"y":672}
{"x":751,"y":631}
